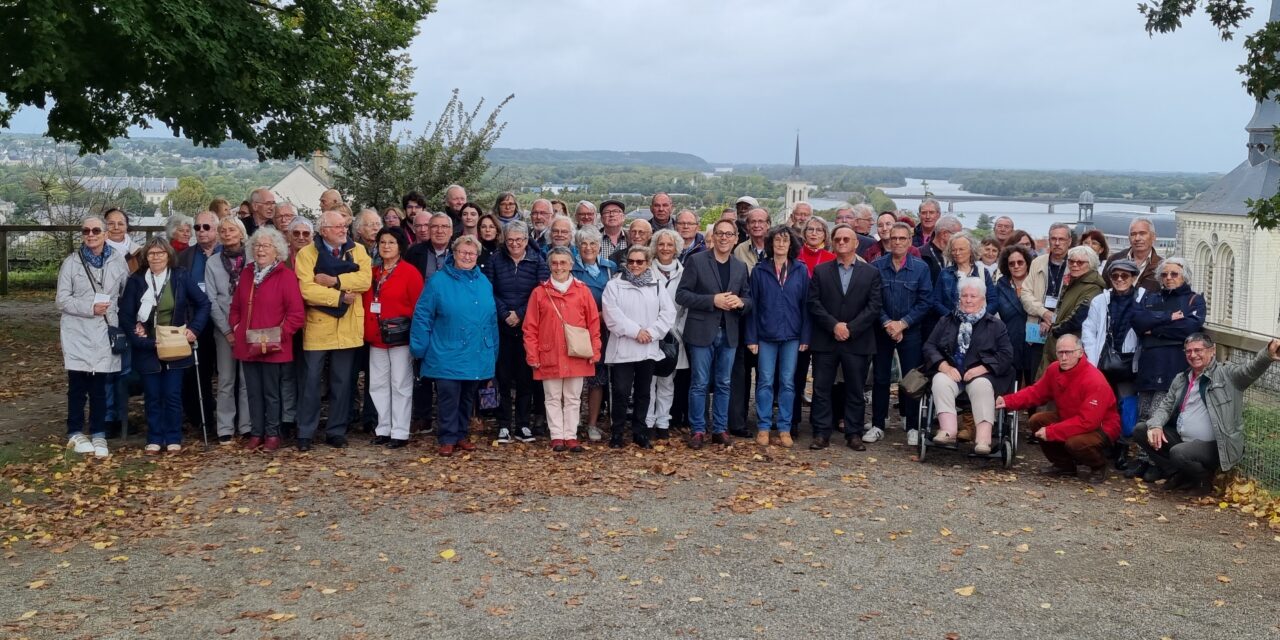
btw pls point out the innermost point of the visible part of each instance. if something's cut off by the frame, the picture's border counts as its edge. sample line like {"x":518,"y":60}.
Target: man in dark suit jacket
{"x":715,"y":291}
{"x":844,"y":302}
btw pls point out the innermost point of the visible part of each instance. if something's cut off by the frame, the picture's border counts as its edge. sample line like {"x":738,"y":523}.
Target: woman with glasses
{"x":815,"y":249}
{"x":90,"y":282}
{"x":1015,"y":263}
{"x":1080,"y":286}
{"x":300,"y":231}
{"x":506,"y":209}
{"x":221,"y":277}
{"x":162,"y":294}
{"x":666,"y":245}
{"x":1110,"y":322}
{"x":962,"y":262}
{"x":638,"y":314}
{"x":394,"y":293}
{"x":515,"y":272}
{"x":595,"y":271}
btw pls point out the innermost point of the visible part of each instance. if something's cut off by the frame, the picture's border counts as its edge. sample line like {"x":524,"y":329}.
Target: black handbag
{"x":1112,"y":361}
{"x":670,"y":347}
{"x":395,"y":331}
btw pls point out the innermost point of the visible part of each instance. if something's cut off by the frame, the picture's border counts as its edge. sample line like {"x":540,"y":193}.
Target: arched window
{"x":1203,"y":271}
{"x":1224,"y":284}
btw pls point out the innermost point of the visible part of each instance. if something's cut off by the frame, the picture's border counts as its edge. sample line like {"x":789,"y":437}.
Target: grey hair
{"x":255,"y":196}
{"x":443,"y":215}
{"x":1151,"y":226}
{"x":559,"y":251}
{"x":369,"y":211}
{"x":936,"y":205}
{"x":684,"y":211}
{"x":276,"y":238}
{"x":1062,"y":225}
{"x":301,"y":222}
{"x":1200,"y":336}
{"x":517,"y":227}
{"x":587,"y":234}
{"x":997,"y":220}
{"x":585,"y":203}
{"x":666,"y":233}
{"x":949,"y":223}
{"x":1181,"y":262}
{"x":573,"y":228}
{"x":1082,"y":252}
{"x":535,"y":203}
{"x":234,"y":221}
{"x":971,"y":282}
{"x":176,"y":221}
{"x":281,"y":206}
{"x":93,"y":216}
{"x":864,"y":209}
{"x":454,"y":186}
{"x":973,"y":250}
{"x":467,"y":238}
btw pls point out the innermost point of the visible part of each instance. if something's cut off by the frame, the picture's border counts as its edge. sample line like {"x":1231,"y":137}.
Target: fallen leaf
{"x":28,"y":615}
{"x":944,"y":531}
{"x":448,"y":554}
{"x":1123,"y":563}
{"x":1045,"y":605}
{"x":38,"y":584}
{"x":695,"y":599}
{"x":223,"y":631}
{"x":838,"y":532}
{"x":965,"y":591}
{"x":118,"y":559}
{"x":328,"y":591}
{"x":256,"y":550}
{"x":282,"y":617}
{"x":1224,"y":579}
{"x":1023,"y":548}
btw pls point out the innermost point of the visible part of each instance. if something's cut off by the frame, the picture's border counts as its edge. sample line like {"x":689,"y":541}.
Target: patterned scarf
{"x":233,"y":262}
{"x":967,"y":320}
{"x":261,"y":273}
{"x":645,"y":279}
{"x":96,"y":261}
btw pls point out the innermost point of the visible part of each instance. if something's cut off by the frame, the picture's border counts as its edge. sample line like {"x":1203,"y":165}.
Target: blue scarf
{"x":965,"y":336}
{"x":95,"y":261}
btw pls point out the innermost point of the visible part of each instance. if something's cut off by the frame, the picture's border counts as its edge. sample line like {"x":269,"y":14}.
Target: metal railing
{"x":34,"y":248}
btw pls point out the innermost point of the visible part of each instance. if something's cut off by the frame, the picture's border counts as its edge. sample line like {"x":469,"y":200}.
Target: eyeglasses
{"x":91,"y":231}
{"x":1171,"y":274}
{"x":1017,"y":263}
{"x":899,"y":239}
{"x":302,"y":234}
{"x":637,"y":261}
{"x":1078,"y":263}
{"x":1193,"y":351}
{"x":842,"y":239}
{"x":517,"y":239}
{"x":725,"y":234}
{"x":203,"y":227}
{"x":157,"y":254}
{"x":465,"y":254}
{"x":1121,"y":275}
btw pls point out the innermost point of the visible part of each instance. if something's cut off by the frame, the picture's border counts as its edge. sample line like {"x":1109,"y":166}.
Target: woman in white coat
{"x":638,"y":314}
{"x":1110,"y":316}
{"x":90,"y":282}
{"x":667,"y":269}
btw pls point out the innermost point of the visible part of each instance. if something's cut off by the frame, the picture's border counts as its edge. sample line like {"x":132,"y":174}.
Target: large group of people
{"x":255,"y":324}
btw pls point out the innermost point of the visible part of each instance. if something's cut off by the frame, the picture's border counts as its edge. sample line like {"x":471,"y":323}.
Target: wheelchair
{"x":1004,"y":433}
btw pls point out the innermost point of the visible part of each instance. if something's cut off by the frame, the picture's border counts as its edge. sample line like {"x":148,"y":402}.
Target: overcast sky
{"x":995,"y":83}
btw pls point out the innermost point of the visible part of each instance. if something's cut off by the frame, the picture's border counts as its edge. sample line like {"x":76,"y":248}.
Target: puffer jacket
{"x":627,"y":309}
{"x":1222,"y":389}
{"x":545,"y":347}
{"x":514,"y":281}
{"x":324,"y":332}
{"x":85,"y":346}
{"x":455,"y":326}
{"x":1160,"y":356}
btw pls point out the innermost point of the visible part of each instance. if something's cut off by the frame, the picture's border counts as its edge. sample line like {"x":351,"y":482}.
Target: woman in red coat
{"x":396,"y":287}
{"x":559,"y":301}
{"x":267,"y":298}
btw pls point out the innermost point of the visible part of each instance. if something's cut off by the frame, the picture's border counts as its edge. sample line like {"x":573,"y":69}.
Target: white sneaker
{"x":594,"y":433}
{"x":913,"y":437}
{"x":80,"y":443}
{"x":504,"y":436}
{"x":525,"y":435}
{"x":874,"y":434}
{"x":100,"y":449}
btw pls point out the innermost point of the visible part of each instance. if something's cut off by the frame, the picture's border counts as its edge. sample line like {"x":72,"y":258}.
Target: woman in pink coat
{"x":267,"y":297}
{"x":559,"y":301}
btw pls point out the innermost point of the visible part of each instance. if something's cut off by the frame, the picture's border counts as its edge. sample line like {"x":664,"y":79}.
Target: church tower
{"x":797,"y":189}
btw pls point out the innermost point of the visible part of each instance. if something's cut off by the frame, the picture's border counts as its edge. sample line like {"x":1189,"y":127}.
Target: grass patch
{"x":1262,"y":444}
{"x":34,"y":280}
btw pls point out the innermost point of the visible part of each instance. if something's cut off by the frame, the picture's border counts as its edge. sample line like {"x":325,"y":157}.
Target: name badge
{"x":1051,"y":302}
{"x":201,"y":285}
{"x":375,"y":307}
{"x":101,"y":298}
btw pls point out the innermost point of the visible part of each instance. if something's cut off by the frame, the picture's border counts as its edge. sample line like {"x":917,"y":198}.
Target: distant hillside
{"x":639,"y":158}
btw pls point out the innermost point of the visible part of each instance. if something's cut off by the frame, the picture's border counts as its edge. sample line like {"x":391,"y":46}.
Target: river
{"x":1034,"y":218}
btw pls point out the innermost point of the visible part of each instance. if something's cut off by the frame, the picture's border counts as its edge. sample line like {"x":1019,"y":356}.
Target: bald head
{"x":639,"y":232}
{"x":330,"y":199}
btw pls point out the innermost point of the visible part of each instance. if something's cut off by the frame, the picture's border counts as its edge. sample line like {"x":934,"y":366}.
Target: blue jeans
{"x":163,"y":393}
{"x":776,"y":361}
{"x":704,"y":362}
{"x":457,"y":398}
{"x":82,"y":384}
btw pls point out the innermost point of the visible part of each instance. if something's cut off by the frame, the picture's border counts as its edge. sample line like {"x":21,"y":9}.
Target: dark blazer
{"x":698,"y":288}
{"x":859,"y":307}
{"x":989,"y":346}
{"x":190,"y":308}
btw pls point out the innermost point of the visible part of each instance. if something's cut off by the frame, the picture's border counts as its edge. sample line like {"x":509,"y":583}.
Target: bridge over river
{"x":1049,"y":201}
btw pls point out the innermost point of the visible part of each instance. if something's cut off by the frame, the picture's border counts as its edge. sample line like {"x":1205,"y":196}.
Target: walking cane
{"x":204,"y":424}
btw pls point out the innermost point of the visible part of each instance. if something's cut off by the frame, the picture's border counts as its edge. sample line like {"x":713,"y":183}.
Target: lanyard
{"x":377,"y":287}
{"x":781,"y":275}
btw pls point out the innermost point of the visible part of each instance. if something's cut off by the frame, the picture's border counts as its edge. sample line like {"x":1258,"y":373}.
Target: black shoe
{"x":380,"y":440}
{"x":661,"y":434}
{"x":288,"y":429}
{"x":393,"y":443}
{"x":615,"y":442}
{"x":855,"y":444}
{"x":720,"y":438}
{"x":1180,"y":481}
{"x":1054,"y":470}
{"x":1152,"y":474}
{"x":738,"y":433}
{"x":819,"y":443}
{"x":337,"y":442}
{"x":696,"y":440}
{"x":304,"y":444}
{"x":224,"y":439}
{"x":643,"y":442}
{"x":1136,"y":468}
{"x":112,"y":429}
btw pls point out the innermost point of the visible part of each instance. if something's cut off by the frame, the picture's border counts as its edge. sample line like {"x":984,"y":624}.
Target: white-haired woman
{"x":962,"y":262}
{"x":667,"y":269}
{"x":1080,"y":286}
{"x":221,"y":277}
{"x":969,"y":352}
{"x":178,"y":230}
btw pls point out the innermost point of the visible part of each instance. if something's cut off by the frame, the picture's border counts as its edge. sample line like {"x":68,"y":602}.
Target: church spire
{"x":795,"y":171}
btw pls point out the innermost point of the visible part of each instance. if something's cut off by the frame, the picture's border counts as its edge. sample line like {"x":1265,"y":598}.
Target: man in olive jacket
{"x":1198,"y":427}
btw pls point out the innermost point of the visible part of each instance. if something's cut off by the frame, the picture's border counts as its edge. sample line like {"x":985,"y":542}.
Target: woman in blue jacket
{"x":778,"y":329}
{"x":161,"y":294}
{"x":455,"y":335}
{"x":1162,"y":321}
{"x":1015,"y":264}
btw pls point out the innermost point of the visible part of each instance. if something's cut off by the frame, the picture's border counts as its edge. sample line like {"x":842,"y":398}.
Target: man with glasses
{"x":906,"y":289}
{"x":844,"y":302}
{"x":585,"y":214}
{"x":1198,"y":427}
{"x":612,"y":237}
{"x":800,"y":215}
{"x":1142,"y":237}
{"x":1042,"y":288}
{"x":687,"y":227}
{"x":263,"y":204}
{"x":639,"y":233}
{"x":332,"y":272}
{"x":862,"y":217}
{"x":714,"y":291}
{"x":540,"y":213}
{"x":193,"y":259}
{"x":1076,"y":437}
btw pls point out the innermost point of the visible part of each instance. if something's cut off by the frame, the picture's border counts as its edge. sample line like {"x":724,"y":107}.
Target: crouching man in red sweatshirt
{"x":1077,"y":437}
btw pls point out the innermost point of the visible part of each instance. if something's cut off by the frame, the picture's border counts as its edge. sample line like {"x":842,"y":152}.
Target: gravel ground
{"x":711,"y":544}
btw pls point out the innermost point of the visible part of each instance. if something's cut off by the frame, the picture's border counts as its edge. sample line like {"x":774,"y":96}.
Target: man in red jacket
{"x":1077,"y":437}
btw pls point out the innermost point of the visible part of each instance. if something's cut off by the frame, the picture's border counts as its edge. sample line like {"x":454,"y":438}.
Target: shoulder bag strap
{"x":555,"y":308}
{"x":94,"y":283}
{"x":248,"y":318}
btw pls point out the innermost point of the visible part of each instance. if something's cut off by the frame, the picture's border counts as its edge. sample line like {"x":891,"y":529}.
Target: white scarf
{"x":155,"y":284}
{"x":562,"y":287}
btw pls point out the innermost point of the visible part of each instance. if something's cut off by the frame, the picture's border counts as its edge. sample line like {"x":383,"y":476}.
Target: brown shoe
{"x":1092,"y":476}
{"x":965,"y":434}
{"x":762,"y":438}
{"x":446,"y":450}
{"x":466,"y":445}
{"x":785,"y":439}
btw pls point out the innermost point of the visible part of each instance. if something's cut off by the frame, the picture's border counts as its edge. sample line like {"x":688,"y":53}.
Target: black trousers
{"x":1194,"y":458}
{"x":854,"y":400}
{"x":680,"y":403}
{"x":264,"y":380}
{"x":514,"y":378}
{"x":631,"y":381}
{"x":207,"y":353}
{"x":741,"y":384}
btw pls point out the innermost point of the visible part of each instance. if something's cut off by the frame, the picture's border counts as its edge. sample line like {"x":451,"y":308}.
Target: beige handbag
{"x":171,"y":343}
{"x":577,"y":339}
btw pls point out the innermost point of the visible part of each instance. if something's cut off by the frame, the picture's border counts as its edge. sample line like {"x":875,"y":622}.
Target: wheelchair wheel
{"x":923,"y":447}
{"x":1006,"y":453}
